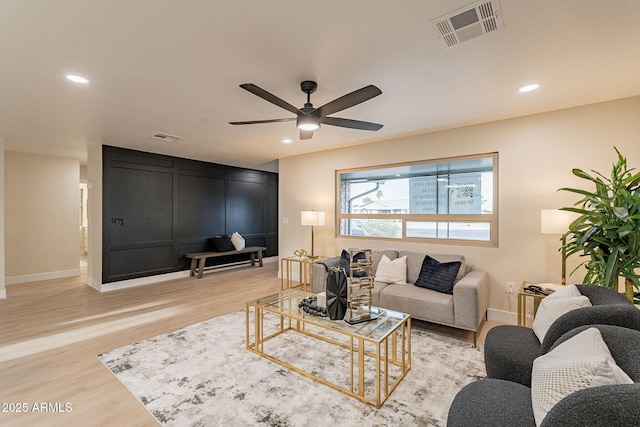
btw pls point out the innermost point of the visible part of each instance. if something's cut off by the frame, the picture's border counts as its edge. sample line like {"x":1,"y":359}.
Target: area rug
{"x":203,"y":375}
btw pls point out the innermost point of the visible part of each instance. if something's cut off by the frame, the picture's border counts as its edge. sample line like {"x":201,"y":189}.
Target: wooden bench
{"x":200,"y":258}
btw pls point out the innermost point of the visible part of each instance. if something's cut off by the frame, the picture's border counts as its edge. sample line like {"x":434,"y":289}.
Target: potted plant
{"x":607,"y":230}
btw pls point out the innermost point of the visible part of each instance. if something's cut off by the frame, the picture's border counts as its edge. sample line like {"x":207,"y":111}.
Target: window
{"x":443,"y":200}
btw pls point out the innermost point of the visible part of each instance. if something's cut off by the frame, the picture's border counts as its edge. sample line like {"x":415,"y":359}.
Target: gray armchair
{"x":509,"y":351}
{"x":496,"y":403}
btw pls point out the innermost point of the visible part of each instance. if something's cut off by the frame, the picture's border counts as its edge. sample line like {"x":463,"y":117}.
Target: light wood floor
{"x":51,"y":332}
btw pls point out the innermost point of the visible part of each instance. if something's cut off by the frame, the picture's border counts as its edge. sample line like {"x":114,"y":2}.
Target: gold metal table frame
{"x":303,"y":268}
{"x":389,"y":335}
{"x":525,"y":296}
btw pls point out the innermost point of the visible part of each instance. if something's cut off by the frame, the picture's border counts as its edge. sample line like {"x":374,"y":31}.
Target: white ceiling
{"x":174,"y":67}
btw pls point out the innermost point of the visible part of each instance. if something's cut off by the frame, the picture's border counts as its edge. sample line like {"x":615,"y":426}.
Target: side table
{"x":524,"y":296}
{"x":303,"y":267}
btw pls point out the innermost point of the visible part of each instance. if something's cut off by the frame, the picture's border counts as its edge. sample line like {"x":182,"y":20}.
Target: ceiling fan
{"x":308,"y":118}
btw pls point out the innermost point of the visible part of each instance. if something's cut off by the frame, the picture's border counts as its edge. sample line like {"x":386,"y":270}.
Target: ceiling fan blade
{"x":349,"y":100}
{"x":267,"y":96}
{"x":306,"y":134}
{"x":253,"y":122}
{"x":348,"y":123}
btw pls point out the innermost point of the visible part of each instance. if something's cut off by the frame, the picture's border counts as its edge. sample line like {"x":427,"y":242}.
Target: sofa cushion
{"x":392,"y":271}
{"x":439,"y":276}
{"x":580,"y":362}
{"x":377,"y":254}
{"x":378,"y":287}
{"x":423,"y":304}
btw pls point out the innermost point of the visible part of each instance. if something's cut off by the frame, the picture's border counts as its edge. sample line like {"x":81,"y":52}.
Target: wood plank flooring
{"x":52,"y":330}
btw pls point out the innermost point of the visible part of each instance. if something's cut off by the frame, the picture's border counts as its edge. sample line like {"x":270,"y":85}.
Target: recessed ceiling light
{"x":287,"y":140}
{"x":529,"y":87}
{"x":77,"y":79}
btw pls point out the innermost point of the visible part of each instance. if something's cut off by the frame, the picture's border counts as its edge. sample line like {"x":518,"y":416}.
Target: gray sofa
{"x":464,"y":309}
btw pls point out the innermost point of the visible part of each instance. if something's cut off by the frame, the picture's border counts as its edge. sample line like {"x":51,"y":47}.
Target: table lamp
{"x":314,"y":219}
{"x":555,"y":221}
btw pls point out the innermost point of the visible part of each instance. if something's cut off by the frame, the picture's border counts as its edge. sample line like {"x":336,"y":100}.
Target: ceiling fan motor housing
{"x":308,"y":86}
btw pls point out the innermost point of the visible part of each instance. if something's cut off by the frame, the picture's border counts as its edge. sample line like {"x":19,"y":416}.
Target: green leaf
{"x":606,"y":233}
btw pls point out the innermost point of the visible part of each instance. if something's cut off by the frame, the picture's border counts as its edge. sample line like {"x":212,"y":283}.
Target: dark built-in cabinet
{"x":157,"y":208}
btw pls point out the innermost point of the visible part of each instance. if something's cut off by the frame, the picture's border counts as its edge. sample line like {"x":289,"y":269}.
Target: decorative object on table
{"x":314,"y":219}
{"x":322,"y":299}
{"x":607,"y":230}
{"x":361,"y":281}
{"x":301,"y":253}
{"x":310,"y":306}
{"x":337,"y":293}
{"x":556,"y":221}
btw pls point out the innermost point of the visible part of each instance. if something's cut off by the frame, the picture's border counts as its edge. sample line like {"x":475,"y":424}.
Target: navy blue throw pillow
{"x":346,"y":263}
{"x":439,"y":276}
{"x":222,"y":244}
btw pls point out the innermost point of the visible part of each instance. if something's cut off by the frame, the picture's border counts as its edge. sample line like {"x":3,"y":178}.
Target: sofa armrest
{"x":605,"y":405}
{"x":471,"y":299}
{"x":625,"y":315}
{"x":319,"y":273}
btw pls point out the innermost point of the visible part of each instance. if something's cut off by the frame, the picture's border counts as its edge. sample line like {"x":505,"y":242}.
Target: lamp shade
{"x":313,"y":218}
{"x":555,"y":221}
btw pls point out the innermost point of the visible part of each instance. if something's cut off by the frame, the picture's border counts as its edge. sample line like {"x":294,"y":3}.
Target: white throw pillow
{"x":580,"y":362}
{"x":392,"y":271}
{"x":238,"y":241}
{"x":565,"y":292}
{"x":555,"y":305}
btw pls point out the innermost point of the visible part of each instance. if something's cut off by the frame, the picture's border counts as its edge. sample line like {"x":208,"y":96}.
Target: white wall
{"x":3,"y":290}
{"x":94,"y":211}
{"x":41,"y":217}
{"x":536,"y":155}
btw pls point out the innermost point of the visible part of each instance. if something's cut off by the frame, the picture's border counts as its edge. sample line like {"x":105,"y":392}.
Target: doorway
{"x":84,"y":224}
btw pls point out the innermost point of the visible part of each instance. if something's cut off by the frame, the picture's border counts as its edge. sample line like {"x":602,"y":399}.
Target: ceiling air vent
{"x":468,"y":23}
{"x":165,"y":137}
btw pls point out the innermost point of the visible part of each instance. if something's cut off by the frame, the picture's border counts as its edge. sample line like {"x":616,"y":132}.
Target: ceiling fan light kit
{"x":308,"y":119}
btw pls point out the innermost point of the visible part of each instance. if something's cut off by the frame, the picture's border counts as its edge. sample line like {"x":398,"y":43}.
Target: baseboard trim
{"x":502,"y":316}
{"x":16,"y":280}
{"x":141,"y":281}
{"x":149,"y":280}
{"x":3,"y":293}
{"x":93,"y":283}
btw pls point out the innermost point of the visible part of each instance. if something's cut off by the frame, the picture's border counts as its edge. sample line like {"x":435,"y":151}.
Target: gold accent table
{"x":304,"y":265}
{"x":384,"y":343}
{"x":523,"y":297}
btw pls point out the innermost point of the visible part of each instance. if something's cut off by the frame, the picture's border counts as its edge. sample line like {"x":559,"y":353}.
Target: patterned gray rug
{"x":202,"y":375}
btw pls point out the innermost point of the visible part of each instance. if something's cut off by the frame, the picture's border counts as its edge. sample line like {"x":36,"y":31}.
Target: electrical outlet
{"x":510,"y":288}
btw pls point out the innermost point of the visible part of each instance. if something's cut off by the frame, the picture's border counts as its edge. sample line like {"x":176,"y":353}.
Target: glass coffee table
{"x":376,"y":354}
